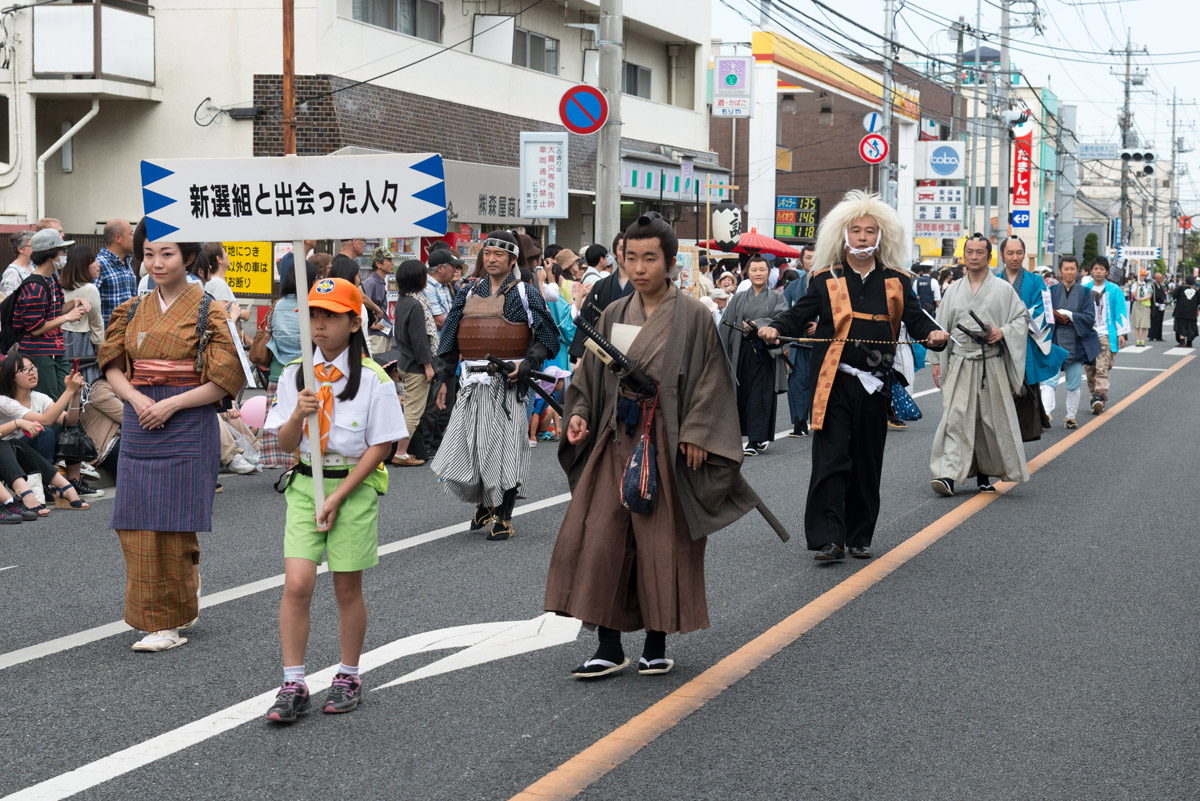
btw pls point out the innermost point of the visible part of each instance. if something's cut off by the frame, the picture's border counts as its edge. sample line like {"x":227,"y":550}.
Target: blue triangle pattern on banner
{"x":431,"y":166}
{"x":153,"y":201}
{"x":152,"y":172}
{"x":434,"y":222}
{"x":156,"y":230}
{"x":435,"y":194}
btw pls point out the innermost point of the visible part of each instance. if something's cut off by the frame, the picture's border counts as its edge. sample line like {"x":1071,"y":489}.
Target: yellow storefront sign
{"x":250,"y":270}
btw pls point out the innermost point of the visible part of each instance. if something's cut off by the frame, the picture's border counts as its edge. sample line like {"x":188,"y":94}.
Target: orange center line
{"x":580,"y":771}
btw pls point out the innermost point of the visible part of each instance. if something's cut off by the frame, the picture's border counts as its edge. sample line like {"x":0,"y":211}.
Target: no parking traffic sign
{"x":583,"y":109}
{"x":873,"y":148}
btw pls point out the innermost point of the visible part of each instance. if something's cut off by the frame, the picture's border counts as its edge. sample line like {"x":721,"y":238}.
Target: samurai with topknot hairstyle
{"x":858,"y":295}
{"x":484,"y":458}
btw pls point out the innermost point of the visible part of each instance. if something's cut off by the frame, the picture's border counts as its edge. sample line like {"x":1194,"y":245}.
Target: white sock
{"x":347,"y":669}
{"x":1073,"y":402}
{"x":293,"y":673}
{"x":1048,"y":393}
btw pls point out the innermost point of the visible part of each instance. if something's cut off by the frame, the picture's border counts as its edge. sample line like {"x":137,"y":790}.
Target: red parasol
{"x":754,"y":242}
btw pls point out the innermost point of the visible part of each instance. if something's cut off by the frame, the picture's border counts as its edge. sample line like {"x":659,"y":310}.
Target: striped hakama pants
{"x":484,"y":450}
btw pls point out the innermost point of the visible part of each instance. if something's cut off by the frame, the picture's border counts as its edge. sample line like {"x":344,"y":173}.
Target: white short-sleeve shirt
{"x":11,"y":409}
{"x":372,"y":417}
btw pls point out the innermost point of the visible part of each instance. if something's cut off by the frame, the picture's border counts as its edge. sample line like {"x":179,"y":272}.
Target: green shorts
{"x":353,"y":542}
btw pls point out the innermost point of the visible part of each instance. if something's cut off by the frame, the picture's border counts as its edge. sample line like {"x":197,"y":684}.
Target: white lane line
{"x":77,"y":639}
{"x":144,"y":753}
{"x":1144,"y":369}
{"x":1179,"y":351}
{"x":10,"y":567}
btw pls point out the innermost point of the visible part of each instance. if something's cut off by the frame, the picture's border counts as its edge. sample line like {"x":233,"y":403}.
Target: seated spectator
{"x":101,"y":418}
{"x":234,"y":434}
{"x":35,"y":443}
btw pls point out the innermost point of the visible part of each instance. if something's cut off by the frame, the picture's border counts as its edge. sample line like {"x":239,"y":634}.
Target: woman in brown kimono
{"x":623,"y":571}
{"x":169,"y":356}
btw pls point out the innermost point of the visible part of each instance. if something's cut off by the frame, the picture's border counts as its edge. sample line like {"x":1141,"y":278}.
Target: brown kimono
{"x":166,"y":477}
{"x":628,"y":571}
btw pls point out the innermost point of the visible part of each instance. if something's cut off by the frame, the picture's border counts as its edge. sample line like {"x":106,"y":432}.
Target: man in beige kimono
{"x":621,"y":567}
{"x":978,"y":372}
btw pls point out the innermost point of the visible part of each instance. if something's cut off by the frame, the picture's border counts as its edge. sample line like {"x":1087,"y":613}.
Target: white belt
{"x":869,"y":382}
{"x":330,"y":460}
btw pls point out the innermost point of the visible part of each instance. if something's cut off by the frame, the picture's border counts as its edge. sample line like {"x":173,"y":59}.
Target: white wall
{"x":213,"y":48}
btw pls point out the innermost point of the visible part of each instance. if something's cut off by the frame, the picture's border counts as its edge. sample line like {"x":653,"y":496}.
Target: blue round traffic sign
{"x":583,"y":109}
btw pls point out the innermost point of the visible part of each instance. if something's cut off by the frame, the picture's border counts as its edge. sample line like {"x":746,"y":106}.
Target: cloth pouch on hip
{"x":902,"y":402}
{"x":639,"y":484}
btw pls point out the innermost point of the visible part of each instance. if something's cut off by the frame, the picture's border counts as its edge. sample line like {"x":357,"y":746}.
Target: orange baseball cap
{"x":336,"y":295}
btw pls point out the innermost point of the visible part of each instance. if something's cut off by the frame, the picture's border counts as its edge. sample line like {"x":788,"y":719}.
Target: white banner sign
{"x":733,"y":86}
{"x":940,"y":161}
{"x":1089,"y":151}
{"x":939,"y":194}
{"x":543,"y":185}
{"x":291,"y":198}
{"x":1139,"y":254}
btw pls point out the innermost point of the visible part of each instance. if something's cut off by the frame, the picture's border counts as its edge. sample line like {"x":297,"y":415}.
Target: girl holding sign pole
{"x":360,"y":418}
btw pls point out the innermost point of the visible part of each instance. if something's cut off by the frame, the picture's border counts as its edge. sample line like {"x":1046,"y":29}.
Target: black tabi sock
{"x":656,"y":646}
{"x":982,"y":480}
{"x":610,"y":646}
{"x":505,"y":509}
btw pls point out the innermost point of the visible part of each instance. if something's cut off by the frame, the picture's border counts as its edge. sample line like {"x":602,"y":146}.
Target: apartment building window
{"x":636,"y":81}
{"x":535,"y":51}
{"x":421,"y":18}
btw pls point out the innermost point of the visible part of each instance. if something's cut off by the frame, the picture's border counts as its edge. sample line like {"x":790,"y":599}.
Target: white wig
{"x":831,"y":235}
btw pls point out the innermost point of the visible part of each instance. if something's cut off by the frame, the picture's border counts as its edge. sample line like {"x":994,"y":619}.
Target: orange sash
{"x":843,"y":315}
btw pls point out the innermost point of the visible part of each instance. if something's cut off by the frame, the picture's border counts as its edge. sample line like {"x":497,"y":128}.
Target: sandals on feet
{"x":40,"y":510}
{"x":61,"y":501}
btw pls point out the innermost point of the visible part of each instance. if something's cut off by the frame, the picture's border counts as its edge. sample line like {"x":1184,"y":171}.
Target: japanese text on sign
{"x":797,"y":217}
{"x":1022,"y":170}
{"x":250,"y":270}
{"x":938,"y":228}
{"x":544,"y":189}
{"x":497,"y":206}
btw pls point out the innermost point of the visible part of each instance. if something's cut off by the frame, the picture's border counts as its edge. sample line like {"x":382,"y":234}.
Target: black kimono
{"x":849,"y":422}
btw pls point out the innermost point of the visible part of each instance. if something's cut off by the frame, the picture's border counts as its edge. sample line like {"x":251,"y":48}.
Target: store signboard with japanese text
{"x":543,"y":188}
{"x":938,"y":211}
{"x":251,"y":268}
{"x":293,"y":198}
{"x":1022,"y":185}
{"x":796,"y":217}
{"x":733,"y":86}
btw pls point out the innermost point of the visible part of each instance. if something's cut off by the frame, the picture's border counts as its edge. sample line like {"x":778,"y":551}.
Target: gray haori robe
{"x":979,"y":433}
{"x":758,"y":308}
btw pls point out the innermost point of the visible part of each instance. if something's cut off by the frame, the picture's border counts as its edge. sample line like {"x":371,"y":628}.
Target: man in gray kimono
{"x":758,"y":369}
{"x":978,"y":372}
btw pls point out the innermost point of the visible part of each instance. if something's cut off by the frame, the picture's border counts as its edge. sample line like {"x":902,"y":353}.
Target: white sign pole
{"x":300,"y":268}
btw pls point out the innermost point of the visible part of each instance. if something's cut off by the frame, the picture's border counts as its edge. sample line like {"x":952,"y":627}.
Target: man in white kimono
{"x":978,"y":372}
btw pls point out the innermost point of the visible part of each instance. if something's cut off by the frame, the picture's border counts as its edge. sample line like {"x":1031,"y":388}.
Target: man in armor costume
{"x":484,"y":456}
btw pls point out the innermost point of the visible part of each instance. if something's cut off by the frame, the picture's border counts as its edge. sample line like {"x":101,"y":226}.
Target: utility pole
{"x":885,"y":167}
{"x":608,"y":149}
{"x":1005,"y":177}
{"x":1126,"y":215}
{"x":289,"y":78}
{"x":976,"y":81}
{"x":956,"y":98}
{"x":1174,"y":213}
{"x":987,"y":159}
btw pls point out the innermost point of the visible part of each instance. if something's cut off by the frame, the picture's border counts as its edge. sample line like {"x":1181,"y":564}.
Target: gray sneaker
{"x":344,"y":695}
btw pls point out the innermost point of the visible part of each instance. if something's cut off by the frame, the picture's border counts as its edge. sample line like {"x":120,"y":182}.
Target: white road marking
{"x":496,"y":640}
{"x":10,"y":567}
{"x":77,"y":639}
{"x":1179,"y":351}
{"x":1145,"y":369}
{"x":1135,"y":348}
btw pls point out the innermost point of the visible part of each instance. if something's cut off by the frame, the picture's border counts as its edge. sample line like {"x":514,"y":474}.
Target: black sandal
{"x":61,"y":502}
{"x":37,"y":511}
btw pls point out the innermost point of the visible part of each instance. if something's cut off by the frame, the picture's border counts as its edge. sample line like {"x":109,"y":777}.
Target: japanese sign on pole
{"x":733,"y":86}
{"x":544,"y":189}
{"x":1023,"y":169}
{"x":289,"y":198}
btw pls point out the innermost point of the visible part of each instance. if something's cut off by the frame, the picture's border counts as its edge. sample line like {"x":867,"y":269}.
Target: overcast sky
{"x":1069,"y":54}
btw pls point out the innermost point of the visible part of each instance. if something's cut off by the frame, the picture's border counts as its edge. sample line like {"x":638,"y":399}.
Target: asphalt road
{"x":1043,"y":648}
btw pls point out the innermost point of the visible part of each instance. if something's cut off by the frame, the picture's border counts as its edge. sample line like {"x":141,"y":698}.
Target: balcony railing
{"x":112,"y":40}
